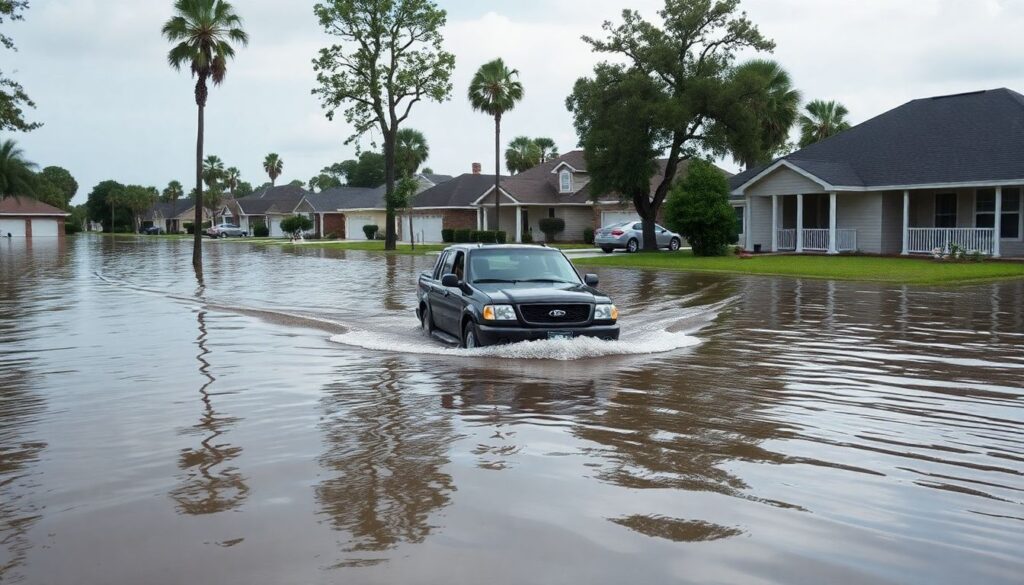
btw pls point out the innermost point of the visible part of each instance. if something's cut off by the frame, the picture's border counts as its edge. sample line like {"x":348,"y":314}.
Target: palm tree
{"x":204,"y":31}
{"x":232,"y":177}
{"x":411,"y":151}
{"x":16,"y":173}
{"x":213,"y":171}
{"x":823,"y":119}
{"x":273,"y":165}
{"x":775,"y":105}
{"x":523,"y":153}
{"x":173,"y":192}
{"x":548,"y":150}
{"x":494,"y":90}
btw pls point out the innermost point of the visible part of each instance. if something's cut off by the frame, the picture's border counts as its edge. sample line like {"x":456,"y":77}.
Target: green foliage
{"x":323,"y":182}
{"x":296,"y":183}
{"x":204,"y":31}
{"x":495,"y":89}
{"x":370,"y":231}
{"x":172,"y":192}
{"x":243,"y":189}
{"x":527,"y":237}
{"x":97,"y":207}
{"x":698,"y":208}
{"x":551,"y":226}
{"x":411,"y":151}
{"x":447,"y":235}
{"x":522,"y":154}
{"x":274,"y":166}
{"x":64,"y":183}
{"x":76,"y":221}
{"x":12,"y":96}
{"x":588,"y":235}
{"x":260,"y":230}
{"x":403,"y":194}
{"x":548,"y":149}
{"x":367,"y":171}
{"x":136,"y":199}
{"x":16,"y":172}
{"x":760,"y":131}
{"x":462,"y":236}
{"x":674,"y":86}
{"x":822,"y":120}
{"x":213,"y":172}
{"x":500,"y":237}
{"x":296,"y":224}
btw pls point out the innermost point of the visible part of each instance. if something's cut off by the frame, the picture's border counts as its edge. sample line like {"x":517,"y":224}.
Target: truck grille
{"x":573,"y":314}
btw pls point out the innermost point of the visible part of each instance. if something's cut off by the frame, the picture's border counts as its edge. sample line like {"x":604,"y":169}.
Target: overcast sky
{"x":113,"y":110}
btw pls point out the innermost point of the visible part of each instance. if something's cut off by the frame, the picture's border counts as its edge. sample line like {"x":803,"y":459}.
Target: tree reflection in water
{"x":210,"y":485}
{"x":386,"y":450}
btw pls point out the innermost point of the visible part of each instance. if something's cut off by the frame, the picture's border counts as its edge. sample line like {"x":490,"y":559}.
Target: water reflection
{"x":386,"y":447}
{"x":211,"y":483}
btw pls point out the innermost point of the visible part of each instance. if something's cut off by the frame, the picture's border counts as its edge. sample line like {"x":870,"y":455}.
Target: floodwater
{"x":288,"y":424}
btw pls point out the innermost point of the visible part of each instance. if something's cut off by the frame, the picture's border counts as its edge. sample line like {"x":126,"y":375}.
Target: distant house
{"x":342,"y":212}
{"x":930,"y":174}
{"x":172,"y":216}
{"x":267,"y":206}
{"x":25,"y":217}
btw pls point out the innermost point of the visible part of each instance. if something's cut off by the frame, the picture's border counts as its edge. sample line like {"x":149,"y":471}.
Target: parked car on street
{"x":225,"y":230}
{"x":152,"y":230}
{"x":629,"y":236}
{"x":480,"y":295}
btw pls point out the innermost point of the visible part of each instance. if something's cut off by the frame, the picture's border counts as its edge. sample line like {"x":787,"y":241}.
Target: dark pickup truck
{"x":484,"y":295}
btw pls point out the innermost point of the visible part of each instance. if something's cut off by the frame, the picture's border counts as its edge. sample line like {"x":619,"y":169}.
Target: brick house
{"x":25,"y":217}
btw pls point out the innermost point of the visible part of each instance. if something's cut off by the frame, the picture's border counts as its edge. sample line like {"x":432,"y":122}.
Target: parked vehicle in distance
{"x":629,"y":236}
{"x":479,"y":295}
{"x":152,"y":230}
{"x":225,"y":230}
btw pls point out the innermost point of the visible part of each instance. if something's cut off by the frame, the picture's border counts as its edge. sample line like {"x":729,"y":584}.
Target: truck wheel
{"x":607,"y":249}
{"x":632,"y":246}
{"x":427,"y":319}
{"x":469,"y":337}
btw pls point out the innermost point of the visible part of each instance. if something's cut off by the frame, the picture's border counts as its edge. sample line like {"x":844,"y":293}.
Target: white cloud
{"x":113,"y":109}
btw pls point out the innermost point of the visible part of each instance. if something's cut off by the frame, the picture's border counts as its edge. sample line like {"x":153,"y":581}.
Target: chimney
{"x":477,"y":168}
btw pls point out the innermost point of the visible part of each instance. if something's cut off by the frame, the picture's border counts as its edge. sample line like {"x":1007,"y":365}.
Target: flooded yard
{"x":289,"y":423}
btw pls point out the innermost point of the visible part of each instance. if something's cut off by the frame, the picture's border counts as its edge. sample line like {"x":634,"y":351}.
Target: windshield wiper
{"x":548,"y":280}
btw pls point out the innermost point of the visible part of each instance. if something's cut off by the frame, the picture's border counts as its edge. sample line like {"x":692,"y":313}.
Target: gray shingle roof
{"x":167,"y":210}
{"x":971,"y":137}
{"x":347,"y":198}
{"x":283,"y":198}
{"x":461,"y":191}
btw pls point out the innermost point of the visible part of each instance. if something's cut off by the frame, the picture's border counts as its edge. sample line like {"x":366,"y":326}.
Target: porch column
{"x":484,"y":209}
{"x":322,"y":234}
{"x":479,"y":218}
{"x":832,"y":223}
{"x":906,"y":223}
{"x":998,"y":223}
{"x":519,"y":224}
{"x":748,"y":231}
{"x":775,"y":223}
{"x":799,"y":223}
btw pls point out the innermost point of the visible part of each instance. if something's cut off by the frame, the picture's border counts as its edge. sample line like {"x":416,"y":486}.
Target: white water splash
{"x":578,"y":348}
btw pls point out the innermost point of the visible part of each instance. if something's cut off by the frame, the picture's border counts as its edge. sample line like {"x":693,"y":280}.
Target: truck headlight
{"x":499,"y":313}
{"x":606,"y":313}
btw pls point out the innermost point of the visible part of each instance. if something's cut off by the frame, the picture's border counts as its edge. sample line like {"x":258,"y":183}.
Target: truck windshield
{"x":520,"y":265}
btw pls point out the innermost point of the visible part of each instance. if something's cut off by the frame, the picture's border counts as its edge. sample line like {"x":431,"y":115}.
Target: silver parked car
{"x":630,"y":236}
{"x":226,"y":230}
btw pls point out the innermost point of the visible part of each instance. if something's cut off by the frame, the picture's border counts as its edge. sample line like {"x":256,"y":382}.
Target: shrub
{"x":528,"y":237}
{"x":588,"y":235}
{"x":190,"y":228}
{"x":487,"y":237}
{"x":552,"y":226}
{"x":447,"y":236}
{"x":462,"y":236}
{"x":296,"y":224}
{"x":698,"y":208}
{"x":500,"y":237}
{"x":261,"y":230}
{"x":370,"y":231}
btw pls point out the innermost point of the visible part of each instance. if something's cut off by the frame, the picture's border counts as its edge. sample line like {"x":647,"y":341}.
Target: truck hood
{"x":526,"y":293}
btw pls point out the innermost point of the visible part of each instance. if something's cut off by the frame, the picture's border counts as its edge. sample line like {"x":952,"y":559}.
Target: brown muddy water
{"x":289,"y":424}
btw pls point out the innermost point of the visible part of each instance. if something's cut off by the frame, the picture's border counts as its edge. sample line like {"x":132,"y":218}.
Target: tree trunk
{"x":197,"y":225}
{"x":648,"y":216}
{"x":497,"y":174}
{"x":412,"y":236}
{"x":389,"y":182}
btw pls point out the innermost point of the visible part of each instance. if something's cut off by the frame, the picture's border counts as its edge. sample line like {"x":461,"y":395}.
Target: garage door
{"x":275,"y":227}
{"x":44,"y":228}
{"x":15,"y":227}
{"x":354,"y":226}
{"x":427,"y":228}
{"x":612,"y":217}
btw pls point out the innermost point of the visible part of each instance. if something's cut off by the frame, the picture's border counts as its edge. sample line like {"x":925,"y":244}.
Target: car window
{"x":520,"y":265}
{"x":440,"y":265}
{"x":638,"y":226}
{"x":459,"y":267}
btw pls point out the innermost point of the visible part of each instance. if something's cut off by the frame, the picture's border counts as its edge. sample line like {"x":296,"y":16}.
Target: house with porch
{"x":267,"y":206}
{"x":172,"y":216}
{"x":929,"y":175}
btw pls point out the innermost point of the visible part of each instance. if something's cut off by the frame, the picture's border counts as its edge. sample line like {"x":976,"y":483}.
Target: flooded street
{"x":288,"y":423}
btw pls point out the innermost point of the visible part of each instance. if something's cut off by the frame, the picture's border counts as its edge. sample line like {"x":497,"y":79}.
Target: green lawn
{"x":868,"y":268}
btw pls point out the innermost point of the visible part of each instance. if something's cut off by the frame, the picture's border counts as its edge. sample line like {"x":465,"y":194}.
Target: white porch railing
{"x":786,"y":239}
{"x":816,"y":240}
{"x":925,"y":240}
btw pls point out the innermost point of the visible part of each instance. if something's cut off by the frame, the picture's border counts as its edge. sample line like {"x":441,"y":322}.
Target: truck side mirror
{"x":591,"y":279}
{"x":449,"y":281}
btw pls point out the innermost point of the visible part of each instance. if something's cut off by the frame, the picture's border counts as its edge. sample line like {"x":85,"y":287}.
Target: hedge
{"x":462,"y":236}
{"x":447,"y":235}
{"x":370,"y":231}
{"x":588,"y":235}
